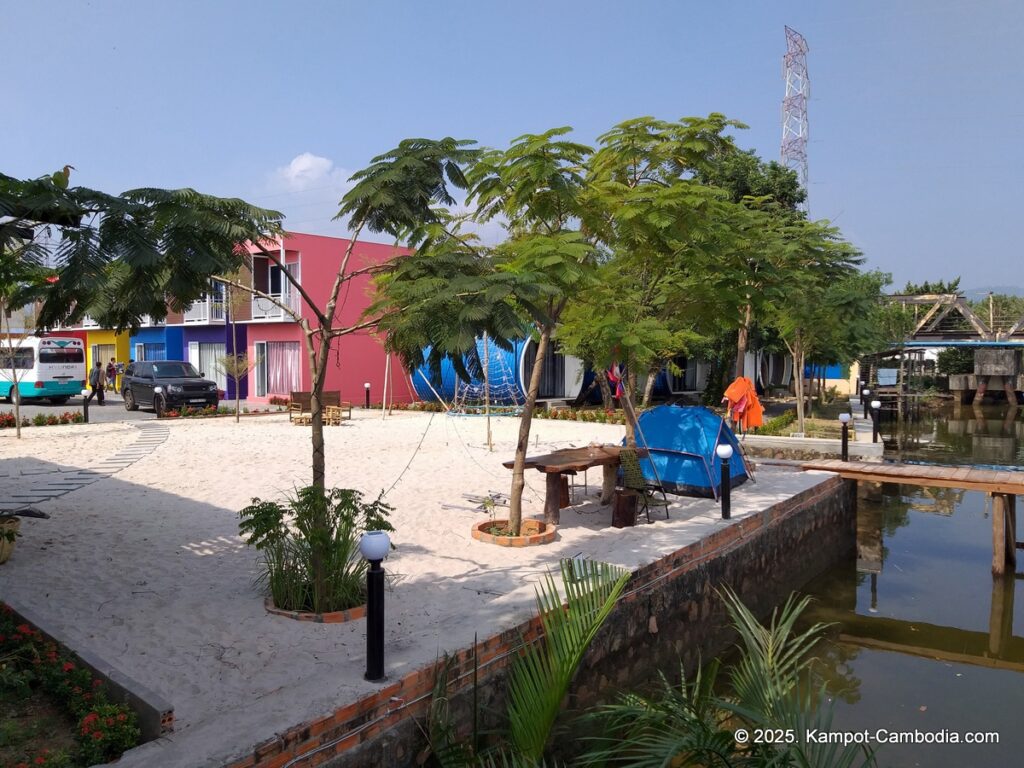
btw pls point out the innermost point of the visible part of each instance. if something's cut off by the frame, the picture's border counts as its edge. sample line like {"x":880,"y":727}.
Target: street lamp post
{"x":864,"y":395}
{"x":844,"y":419}
{"x":875,"y":405}
{"x":85,"y":406}
{"x":374,"y":546}
{"x":724,"y":451}
{"x":366,"y":389}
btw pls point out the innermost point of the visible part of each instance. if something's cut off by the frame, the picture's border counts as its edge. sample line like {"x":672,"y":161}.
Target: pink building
{"x":275,"y":342}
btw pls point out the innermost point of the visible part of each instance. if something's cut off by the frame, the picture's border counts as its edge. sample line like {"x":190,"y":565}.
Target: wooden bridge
{"x":950,"y":318}
{"x":1003,"y":486}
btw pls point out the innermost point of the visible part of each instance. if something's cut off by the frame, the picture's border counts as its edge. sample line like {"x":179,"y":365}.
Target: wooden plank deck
{"x":952,"y":476}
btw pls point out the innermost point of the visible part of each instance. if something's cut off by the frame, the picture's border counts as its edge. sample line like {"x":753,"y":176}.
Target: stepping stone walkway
{"x":43,"y":485}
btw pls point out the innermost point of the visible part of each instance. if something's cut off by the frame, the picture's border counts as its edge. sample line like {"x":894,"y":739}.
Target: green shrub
{"x":777,"y":425}
{"x":310,"y":546}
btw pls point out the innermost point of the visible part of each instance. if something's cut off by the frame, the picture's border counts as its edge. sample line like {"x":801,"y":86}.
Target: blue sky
{"x":916,"y":113}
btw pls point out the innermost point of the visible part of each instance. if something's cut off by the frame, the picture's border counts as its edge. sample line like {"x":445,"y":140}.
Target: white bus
{"x":52,"y":367}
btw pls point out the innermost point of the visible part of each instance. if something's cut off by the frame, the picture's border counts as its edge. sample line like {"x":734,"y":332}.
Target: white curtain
{"x":283,"y":367}
{"x":209,"y":363}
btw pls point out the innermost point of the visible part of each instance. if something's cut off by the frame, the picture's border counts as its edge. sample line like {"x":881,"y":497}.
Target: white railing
{"x":205,"y":311}
{"x":264,"y":309}
{"x":88,"y":322}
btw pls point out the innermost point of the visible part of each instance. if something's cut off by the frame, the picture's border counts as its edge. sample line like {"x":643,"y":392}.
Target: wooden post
{"x":1001,"y":554}
{"x":1000,"y":617}
{"x":552,"y":496}
{"x":608,"y":484}
{"x":1010,"y":528}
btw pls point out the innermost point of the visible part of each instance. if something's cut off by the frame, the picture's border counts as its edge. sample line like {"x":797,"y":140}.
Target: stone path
{"x":45,"y":484}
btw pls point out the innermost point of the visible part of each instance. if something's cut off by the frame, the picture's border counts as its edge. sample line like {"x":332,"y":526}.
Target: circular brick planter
{"x":334,"y":617}
{"x":532,"y":533}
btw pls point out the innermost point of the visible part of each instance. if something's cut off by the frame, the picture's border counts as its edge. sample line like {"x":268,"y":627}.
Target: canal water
{"x":925,"y":638}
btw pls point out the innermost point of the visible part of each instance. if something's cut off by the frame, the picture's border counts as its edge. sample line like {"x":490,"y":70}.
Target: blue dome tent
{"x":682,"y":442}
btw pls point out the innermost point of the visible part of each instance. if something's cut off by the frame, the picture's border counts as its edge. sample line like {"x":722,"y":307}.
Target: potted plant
{"x":310,"y":547}
{"x":9,"y":525}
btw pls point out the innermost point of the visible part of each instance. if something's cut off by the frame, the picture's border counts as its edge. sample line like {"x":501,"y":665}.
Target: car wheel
{"x":59,"y":400}
{"x":159,"y":406}
{"x":129,"y":401}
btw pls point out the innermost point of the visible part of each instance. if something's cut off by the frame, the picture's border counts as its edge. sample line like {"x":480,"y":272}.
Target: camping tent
{"x":682,"y":442}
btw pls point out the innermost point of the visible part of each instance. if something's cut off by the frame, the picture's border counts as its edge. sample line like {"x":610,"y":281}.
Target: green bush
{"x":777,"y":425}
{"x":310,"y":546}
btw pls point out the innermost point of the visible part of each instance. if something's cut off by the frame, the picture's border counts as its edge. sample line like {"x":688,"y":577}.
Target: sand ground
{"x":145,"y":567}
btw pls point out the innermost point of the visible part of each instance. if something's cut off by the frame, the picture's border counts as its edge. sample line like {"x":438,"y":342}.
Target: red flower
{"x":97,"y":735}
{"x":97,"y":683}
{"x":40,"y":760}
{"x":68,"y":666}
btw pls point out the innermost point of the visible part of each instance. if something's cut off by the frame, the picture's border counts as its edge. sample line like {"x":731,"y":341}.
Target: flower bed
{"x":32,"y":667}
{"x":187,"y":412}
{"x":594,"y":415}
{"x":7,"y":420}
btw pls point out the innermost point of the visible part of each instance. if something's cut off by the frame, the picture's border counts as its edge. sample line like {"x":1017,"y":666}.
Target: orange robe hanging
{"x":744,"y":407}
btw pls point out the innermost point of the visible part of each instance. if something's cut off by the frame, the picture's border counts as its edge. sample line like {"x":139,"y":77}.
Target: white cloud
{"x":309,"y":172}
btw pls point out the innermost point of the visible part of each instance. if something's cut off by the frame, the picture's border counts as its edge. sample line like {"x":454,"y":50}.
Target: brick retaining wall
{"x":762,"y":557}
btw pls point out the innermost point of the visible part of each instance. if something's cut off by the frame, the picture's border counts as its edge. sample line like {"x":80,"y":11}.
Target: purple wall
{"x":219,"y":334}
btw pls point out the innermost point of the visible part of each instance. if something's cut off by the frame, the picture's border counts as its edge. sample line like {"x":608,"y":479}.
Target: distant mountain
{"x":974,"y":294}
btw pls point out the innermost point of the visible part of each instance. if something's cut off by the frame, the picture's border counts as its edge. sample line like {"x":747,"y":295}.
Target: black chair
{"x":633,"y":480}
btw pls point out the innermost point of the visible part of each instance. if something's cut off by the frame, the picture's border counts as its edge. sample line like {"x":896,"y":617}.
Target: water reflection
{"x":922,"y":636}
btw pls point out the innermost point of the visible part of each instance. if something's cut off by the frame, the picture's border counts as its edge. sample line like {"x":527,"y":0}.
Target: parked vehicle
{"x":166,"y":384}
{"x":50,"y":368}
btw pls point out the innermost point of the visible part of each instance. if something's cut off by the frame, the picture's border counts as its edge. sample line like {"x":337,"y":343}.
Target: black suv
{"x":166,"y":384}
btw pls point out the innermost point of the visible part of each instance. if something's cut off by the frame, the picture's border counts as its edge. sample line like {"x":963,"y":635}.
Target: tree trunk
{"x":515,"y":504}
{"x":606,"y":390}
{"x":234,"y":351}
{"x":649,"y":387}
{"x":15,"y":395}
{"x":629,"y":382}
{"x":796,"y":352}
{"x":743,"y":339}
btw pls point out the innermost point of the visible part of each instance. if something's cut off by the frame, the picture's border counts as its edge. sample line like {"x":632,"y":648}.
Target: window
{"x":552,"y":377}
{"x":260,"y":348}
{"x":282,"y":367}
{"x":67,"y":355}
{"x":23,"y":358}
{"x":175,"y":371}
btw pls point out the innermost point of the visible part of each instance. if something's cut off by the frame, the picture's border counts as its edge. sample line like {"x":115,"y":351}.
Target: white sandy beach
{"x":145,"y":568}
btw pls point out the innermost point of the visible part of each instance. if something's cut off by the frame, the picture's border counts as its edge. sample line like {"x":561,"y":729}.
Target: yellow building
{"x":101,"y":345}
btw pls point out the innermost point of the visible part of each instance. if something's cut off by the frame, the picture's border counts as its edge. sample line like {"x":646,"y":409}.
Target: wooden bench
{"x":335,"y":410}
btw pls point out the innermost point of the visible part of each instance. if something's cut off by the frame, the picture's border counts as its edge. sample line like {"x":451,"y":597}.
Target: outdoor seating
{"x":334,"y":409}
{"x":633,"y":481}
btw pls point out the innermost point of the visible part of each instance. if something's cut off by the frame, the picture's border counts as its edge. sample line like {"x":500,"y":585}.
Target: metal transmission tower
{"x":794,"y":106}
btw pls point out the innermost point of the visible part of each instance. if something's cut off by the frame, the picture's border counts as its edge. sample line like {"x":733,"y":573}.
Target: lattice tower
{"x":794,"y":106}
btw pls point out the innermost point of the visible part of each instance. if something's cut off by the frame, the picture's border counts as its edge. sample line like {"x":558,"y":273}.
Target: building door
{"x":260,"y":370}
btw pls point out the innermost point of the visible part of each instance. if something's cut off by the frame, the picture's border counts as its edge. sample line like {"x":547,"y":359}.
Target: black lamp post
{"x":366,"y":389}
{"x":844,"y":419}
{"x":374,"y":546}
{"x":864,"y":395}
{"x":724,"y":451}
{"x":85,"y":406}
{"x":875,"y":405}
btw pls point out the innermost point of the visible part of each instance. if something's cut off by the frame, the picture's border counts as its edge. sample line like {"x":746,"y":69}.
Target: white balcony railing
{"x":264,"y":309}
{"x":88,"y":322}
{"x":205,"y":311}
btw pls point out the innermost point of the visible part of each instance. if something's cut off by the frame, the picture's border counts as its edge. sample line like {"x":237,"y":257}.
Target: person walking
{"x":112,"y":375}
{"x":97,"y":378}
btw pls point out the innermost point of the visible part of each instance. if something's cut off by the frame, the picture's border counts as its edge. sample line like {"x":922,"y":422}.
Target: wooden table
{"x":557,"y":463}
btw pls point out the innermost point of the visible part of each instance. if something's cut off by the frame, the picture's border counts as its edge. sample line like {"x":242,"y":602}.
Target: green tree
{"x":650,"y":217}
{"x":819,"y":297}
{"x":536,"y":186}
{"x":774,"y":190}
{"x":23,"y":280}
